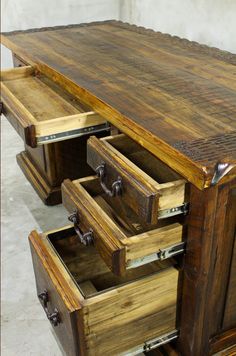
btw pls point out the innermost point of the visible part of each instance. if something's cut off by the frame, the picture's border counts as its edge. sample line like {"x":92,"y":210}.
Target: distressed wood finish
{"x":209,"y":261}
{"x":40,"y":111}
{"x":113,"y":306}
{"x":50,"y":195}
{"x":58,"y":296}
{"x":119,"y":240}
{"x":230,"y":307}
{"x":231,"y":351}
{"x":175,"y":97}
{"x":46,"y":166}
{"x":224,"y":340}
{"x":148,"y":186}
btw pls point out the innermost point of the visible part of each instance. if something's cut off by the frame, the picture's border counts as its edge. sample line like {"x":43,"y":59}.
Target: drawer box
{"x":152,"y":189}
{"x":94,"y":311}
{"x":117,"y":233}
{"x":41,"y":111}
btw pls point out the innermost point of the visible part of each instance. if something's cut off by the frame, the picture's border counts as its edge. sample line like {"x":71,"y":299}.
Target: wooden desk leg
{"x":207,"y":263}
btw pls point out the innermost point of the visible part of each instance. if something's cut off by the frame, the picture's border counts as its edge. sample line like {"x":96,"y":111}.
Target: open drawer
{"x":152,"y":189}
{"x":117,"y":233}
{"x":94,"y":312}
{"x":41,"y":111}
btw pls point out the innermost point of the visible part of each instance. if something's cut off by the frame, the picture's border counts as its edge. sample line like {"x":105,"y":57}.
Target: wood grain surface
{"x":32,"y":100}
{"x":176,"y":98}
{"x":120,"y":239}
{"x":117,"y":315}
{"x":207,"y":285}
{"x":147,"y":186}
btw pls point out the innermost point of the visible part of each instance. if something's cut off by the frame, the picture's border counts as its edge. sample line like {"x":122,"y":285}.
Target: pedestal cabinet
{"x":54,"y":125}
{"x":147,"y":262}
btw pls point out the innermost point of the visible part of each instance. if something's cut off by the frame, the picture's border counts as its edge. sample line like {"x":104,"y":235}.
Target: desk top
{"x":175,"y":97}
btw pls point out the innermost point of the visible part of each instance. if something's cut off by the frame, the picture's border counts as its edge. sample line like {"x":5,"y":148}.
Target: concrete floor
{"x":25,"y":329}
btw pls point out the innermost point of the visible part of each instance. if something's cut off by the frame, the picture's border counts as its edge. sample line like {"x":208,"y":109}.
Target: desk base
{"x":49,"y":195}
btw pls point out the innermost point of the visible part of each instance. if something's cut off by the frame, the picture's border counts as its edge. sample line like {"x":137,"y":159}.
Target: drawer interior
{"x":136,"y":308}
{"x":149,"y":187}
{"x":119,"y":212}
{"x":143,"y":159}
{"x":43,"y":103}
{"x":43,"y":98}
{"x":89,"y":271}
{"x":121,"y":237}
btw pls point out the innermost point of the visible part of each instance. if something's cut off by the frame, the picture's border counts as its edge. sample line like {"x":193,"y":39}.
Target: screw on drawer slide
{"x":153,"y":344}
{"x":161,"y":255}
{"x":177,"y":210}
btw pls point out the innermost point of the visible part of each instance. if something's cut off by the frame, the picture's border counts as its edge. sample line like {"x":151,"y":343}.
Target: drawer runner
{"x":177,"y":210}
{"x":41,"y":111}
{"x":72,"y":133}
{"x":154,"y":343}
{"x":161,"y":255}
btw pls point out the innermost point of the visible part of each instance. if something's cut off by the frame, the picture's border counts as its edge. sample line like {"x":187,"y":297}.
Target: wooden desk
{"x":177,"y":99}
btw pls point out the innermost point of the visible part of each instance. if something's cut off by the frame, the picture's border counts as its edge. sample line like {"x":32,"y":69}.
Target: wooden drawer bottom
{"x":96,"y":312}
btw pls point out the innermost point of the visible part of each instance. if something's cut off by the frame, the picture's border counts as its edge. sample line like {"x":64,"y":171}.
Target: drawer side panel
{"x":67,"y":330}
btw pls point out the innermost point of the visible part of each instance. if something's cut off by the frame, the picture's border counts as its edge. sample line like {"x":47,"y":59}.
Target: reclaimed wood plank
{"x":175,"y":97}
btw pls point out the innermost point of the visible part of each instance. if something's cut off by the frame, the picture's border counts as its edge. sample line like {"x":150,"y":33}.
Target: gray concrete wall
{"x":212,"y":22}
{"x":25,"y":14}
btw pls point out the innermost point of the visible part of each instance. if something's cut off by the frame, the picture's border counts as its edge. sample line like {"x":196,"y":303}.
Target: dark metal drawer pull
{"x":85,"y":238}
{"x":116,"y":187}
{"x":53,"y":317}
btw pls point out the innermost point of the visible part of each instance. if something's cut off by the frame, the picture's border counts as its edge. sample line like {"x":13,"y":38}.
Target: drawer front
{"x":89,"y":218}
{"x":106,"y":314}
{"x":124,"y":323}
{"x":54,"y":300}
{"x":120,"y":177}
{"x":121,"y":246}
{"x":42,"y":111}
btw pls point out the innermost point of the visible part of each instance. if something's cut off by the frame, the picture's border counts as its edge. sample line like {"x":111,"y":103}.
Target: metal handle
{"x":116,"y":188}
{"x":53,"y":317}
{"x":85,"y":238}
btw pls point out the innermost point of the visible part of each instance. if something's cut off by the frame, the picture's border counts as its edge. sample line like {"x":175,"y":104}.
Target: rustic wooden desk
{"x":177,"y":100}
